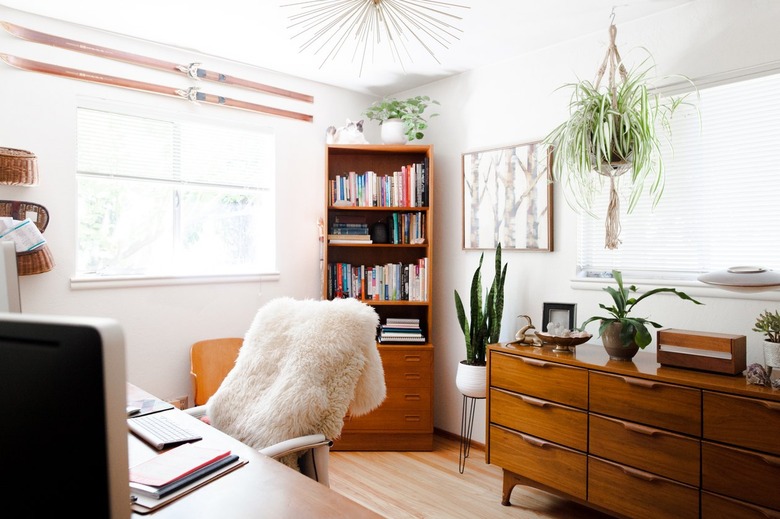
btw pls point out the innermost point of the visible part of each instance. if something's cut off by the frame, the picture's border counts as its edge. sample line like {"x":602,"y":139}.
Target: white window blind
{"x":165,"y":197}
{"x":720,"y":204}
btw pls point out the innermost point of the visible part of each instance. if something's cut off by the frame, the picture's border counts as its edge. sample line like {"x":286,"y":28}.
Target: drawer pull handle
{"x":534,"y":362}
{"x":534,"y":401}
{"x":772,"y":462}
{"x":413,"y":396}
{"x":641,"y":429}
{"x":639,"y":382}
{"x":412,"y":376}
{"x":774,"y":406}
{"x":535,"y":441}
{"x":639,"y":474}
{"x":412,"y":418}
{"x":412,"y":358}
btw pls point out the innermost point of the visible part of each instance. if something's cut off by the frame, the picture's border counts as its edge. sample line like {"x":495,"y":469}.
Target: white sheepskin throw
{"x":303,"y":365}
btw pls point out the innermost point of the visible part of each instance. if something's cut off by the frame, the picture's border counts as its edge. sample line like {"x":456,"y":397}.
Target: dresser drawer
{"x":544,"y":462}
{"x":404,"y":368}
{"x":645,"y":401}
{"x":554,"y":422}
{"x":714,"y":506}
{"x":745,"y":422}
{"x":542,"y":379}
{"x":408,"y":398}
{"x":741,"y":474}
{"x":638,"y":494}
{"x":647,"y":448}
{"x":391,"y":420}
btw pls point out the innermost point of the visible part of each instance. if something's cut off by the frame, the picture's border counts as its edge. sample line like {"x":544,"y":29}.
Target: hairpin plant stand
{"x":466,"y":427}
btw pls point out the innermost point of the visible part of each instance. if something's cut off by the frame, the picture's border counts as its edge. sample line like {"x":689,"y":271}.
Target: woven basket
{"x":21,"y":210}
{"x":35,"y":261}
{"x":18,"y":167}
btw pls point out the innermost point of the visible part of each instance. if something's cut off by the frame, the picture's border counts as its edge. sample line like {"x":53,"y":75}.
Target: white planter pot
{"x":772,"y":356}
{"x":392,"y":132}
{"x":471,"y":380}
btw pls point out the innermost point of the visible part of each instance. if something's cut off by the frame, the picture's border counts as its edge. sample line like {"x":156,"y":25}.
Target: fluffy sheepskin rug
{"x":303,"y":365}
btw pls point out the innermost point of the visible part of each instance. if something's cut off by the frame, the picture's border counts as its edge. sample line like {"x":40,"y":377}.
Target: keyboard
{"x":160,"y":431}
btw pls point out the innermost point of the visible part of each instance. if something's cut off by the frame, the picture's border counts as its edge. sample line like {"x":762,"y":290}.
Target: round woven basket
{"x":35,"y":261}
{"x":18,"y":167}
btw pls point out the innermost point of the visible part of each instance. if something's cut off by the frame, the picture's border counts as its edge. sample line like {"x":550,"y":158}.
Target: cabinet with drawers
{"x":632,"y":438}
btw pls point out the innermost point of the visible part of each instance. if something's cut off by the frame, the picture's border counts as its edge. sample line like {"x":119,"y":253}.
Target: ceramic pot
{"x":614,"y":346}
{"x":771,"y":356}
{"x":471,"y":380}
{"x":392,"y":132}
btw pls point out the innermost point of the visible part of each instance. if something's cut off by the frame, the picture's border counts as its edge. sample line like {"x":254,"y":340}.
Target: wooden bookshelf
{"x":405,"y":420}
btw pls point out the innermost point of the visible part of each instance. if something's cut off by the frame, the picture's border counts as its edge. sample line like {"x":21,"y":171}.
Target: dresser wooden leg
{"x":509,"y":483}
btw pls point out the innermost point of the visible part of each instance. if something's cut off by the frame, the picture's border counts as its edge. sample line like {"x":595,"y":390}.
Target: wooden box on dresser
{"x":632,"y":438}
{"x":391,"y":186}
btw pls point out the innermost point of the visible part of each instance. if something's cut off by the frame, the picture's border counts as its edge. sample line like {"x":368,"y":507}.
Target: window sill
{"x":98,"y":282}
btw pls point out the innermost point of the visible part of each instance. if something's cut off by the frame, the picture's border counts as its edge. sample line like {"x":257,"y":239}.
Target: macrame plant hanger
{"x":615,"y":169}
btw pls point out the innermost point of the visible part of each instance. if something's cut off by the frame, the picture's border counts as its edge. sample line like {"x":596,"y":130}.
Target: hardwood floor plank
{"x":427,"y":485}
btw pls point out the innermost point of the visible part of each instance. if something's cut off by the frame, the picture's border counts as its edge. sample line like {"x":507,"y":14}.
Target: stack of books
{"x":349,"y":230}
{"x":399,"y":330}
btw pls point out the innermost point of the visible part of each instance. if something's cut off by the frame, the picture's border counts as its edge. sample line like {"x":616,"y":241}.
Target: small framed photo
{"x":563,"y":314}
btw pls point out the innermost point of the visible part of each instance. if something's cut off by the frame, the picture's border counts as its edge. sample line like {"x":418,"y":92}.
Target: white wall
{"x":161,"y":322}
{"x":515,"y":102}
{"x":507,"y":103}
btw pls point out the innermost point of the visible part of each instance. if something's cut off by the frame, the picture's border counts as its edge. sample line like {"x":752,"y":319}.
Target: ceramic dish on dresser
{"x":564,"y":343}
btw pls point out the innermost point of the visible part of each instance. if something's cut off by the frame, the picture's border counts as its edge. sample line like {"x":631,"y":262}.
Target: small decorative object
{"x":756,"y":374}
{"x":560,"y":315}
{"x":408,"y":111}
{"x":484,"y":325}
{"x":623,"y":335}
{"x":564,"y":340}
{"x":523,"y":337}
{"x":768,"y":323}
{"x":508,"y":198}
{"x":350,"y":133}
{"x":379,"y":233}
{"x":612,"y":130}
{"x":743,"y":278}
{"x":18,"y":167}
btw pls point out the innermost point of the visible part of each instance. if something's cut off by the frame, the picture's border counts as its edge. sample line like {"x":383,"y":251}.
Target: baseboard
{"x":456,"y":437}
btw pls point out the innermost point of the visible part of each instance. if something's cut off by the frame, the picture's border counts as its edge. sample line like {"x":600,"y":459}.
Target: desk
{"x":261,"y":488}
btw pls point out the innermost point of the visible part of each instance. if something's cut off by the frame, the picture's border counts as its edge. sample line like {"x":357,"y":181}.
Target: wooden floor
{"x":401,"y":485}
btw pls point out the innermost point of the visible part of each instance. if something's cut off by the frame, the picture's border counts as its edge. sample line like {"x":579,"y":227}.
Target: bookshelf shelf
{"x":401,"y":178}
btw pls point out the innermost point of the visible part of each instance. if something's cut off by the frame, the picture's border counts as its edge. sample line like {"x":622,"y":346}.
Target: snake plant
{"x":484,"y":326}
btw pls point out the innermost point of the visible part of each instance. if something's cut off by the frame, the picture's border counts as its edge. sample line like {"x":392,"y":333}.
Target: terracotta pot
{"x":471,"y":380}
{"x":392,"y":132}
{"x":614,"y":346}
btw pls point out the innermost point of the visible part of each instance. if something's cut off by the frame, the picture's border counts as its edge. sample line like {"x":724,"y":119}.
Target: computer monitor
{"x":63,"y":431}
{"x":10,"y":298}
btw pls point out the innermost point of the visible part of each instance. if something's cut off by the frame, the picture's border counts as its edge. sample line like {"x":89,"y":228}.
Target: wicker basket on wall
{"x":18,"y":167}
{"x":35,"y":261}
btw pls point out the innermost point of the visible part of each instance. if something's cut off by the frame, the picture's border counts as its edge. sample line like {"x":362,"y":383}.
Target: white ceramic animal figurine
{"x":350,"y":133}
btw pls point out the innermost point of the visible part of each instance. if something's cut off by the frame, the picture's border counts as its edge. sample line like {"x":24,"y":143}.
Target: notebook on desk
{"x":149,"y":406}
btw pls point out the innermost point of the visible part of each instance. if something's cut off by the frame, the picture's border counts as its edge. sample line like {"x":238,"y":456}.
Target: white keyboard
{"x":160,"y":431}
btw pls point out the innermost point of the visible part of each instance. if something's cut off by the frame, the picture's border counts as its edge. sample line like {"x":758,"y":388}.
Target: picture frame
{"x":565,"y":313}
{"x":508,"y":198}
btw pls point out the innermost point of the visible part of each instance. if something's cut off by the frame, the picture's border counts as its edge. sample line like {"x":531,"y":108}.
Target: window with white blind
{"x":720,"y":204}
{"x":168,"y":196}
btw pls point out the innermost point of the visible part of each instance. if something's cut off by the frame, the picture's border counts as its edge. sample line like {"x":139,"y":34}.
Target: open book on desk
{"x":158,"y":492}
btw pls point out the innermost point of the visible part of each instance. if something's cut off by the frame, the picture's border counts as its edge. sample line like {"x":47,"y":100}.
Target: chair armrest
{"x":199,"y":411}
{"x":293,"y":445}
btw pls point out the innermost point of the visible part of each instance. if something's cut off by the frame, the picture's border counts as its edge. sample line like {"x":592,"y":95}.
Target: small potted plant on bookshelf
{"x":483,"y":328}
{"x":624,"y":335}
{"x":401,"y":120}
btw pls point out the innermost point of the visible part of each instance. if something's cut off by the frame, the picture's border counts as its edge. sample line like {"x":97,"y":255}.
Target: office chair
{"x":303,"y":365}
{"x":210,"y":362}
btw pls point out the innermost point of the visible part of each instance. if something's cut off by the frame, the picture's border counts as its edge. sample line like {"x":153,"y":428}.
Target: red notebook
{"x":175,"y":463}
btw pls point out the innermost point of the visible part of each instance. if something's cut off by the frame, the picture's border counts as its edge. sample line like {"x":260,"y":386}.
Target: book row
{"x":405,"y":188}
{"x":389,"y":282}
{"x":402,"y":229}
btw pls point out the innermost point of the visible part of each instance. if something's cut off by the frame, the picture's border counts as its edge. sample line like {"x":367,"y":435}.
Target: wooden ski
{"x":192,"y":93}
{"x":192,"y":70}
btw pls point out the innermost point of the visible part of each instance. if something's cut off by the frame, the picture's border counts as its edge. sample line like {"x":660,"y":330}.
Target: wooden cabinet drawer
{"x":408,"y":398}
{"x":645,"y":401}
{"x":714,"y":506}
{"x":542,"y":379}
{"x":545,"y":462}
{"x":746,"y":475}
{"x":554,"y":422}
{"x":391,"y":420}
{"x":646,"y":448}
{"x":404,"y":368}
{"x":638,"y":494}
{"x":745,"y":422}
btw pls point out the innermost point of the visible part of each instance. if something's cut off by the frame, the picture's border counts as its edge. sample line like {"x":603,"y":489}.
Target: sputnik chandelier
{"x":367,"y":26}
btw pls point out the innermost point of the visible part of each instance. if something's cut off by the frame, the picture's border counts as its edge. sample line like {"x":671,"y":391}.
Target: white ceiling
{"x":258,"y":32}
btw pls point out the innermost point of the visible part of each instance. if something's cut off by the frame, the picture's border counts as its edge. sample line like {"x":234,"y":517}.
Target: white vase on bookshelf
{"x":392,"y":132}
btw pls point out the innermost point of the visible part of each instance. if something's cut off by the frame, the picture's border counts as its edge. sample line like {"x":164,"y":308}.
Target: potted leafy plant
{"x":622,"y":334}
{"x":769,"y":324}
{"x":406,"y":114}
{"x":482,"y":328}
{"x":612,"y":129}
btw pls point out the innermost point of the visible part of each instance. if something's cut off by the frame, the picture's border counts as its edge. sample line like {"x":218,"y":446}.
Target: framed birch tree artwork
{"x":508,"y":198}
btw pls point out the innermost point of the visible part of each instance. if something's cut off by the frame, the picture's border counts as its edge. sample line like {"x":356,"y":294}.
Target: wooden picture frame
{"x":565,"y":313}
{"x":508,"y":198}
